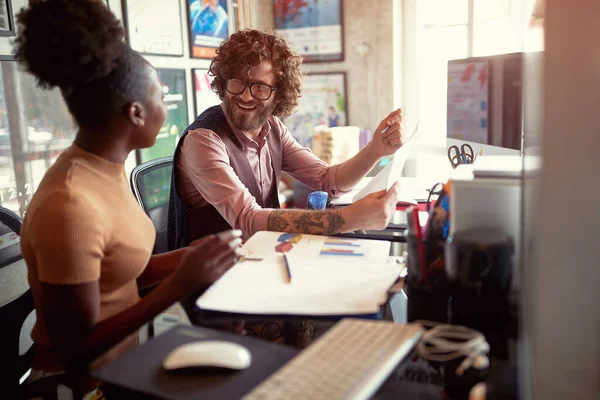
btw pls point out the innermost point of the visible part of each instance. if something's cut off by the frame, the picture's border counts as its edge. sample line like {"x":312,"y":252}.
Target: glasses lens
{"x":235,"y":86}
{"x":260,"y":92}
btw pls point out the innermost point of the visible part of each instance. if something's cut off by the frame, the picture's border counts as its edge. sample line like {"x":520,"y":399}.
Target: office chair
{"x":17,"y":314}
{"x":151,"y":185}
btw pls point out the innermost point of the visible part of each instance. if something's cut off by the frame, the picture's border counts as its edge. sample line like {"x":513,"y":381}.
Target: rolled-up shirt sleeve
{"x":205,"y":160}
{"x":301,"y":164}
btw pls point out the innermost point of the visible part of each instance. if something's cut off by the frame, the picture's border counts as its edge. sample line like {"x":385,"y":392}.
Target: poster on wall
{"x":204,"y":97}
{"x":154,"y":27}
{"x":468,"y":97}
{"x":313,"y":26}
{"x":175,"y":97}
{"x":209,"y":25}
{"x":323,"y":102}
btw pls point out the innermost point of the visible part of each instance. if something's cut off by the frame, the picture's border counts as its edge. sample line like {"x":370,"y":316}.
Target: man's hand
{"x":376,"y":210}
{"x":387,"y":138}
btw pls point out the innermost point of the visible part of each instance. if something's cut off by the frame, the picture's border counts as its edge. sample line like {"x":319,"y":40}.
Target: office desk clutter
{"x":462,"y":279}
{"x":426,"y":243}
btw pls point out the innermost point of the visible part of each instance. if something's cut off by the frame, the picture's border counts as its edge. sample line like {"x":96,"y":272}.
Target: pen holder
{"x":433,"y":258}
{"x":479,"y":269}
{"x":427,"y":299}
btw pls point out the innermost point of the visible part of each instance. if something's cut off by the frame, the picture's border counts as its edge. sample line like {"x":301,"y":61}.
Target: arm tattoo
{"x":310,"y":222}
{"x":276,"y":222}
{"x":335,"y":222}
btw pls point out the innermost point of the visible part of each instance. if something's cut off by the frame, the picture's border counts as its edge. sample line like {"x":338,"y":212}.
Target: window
{"x":35,"y":127}
{"x":454,"y":29}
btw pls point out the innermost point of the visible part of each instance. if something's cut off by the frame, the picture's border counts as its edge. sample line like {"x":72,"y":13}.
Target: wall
{"x":371,"y":51}
{"x":563,"y":290}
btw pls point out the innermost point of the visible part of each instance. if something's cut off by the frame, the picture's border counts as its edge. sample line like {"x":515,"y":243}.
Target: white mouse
{"x":208,"y":353}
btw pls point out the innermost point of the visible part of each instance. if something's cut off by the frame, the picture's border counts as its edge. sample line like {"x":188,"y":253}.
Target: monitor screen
{"x":468,"y":100}
{"x":484,"y":100}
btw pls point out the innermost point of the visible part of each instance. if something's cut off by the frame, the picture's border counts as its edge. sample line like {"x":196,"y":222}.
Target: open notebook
{"x":330,"y":276}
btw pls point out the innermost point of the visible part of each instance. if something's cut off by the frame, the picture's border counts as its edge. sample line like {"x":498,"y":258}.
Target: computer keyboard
{"x":350,"y":361}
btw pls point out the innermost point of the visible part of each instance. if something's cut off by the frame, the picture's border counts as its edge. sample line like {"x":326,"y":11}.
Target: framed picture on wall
{"x":323,"y":102}
{"x":208,"y":25}
{"x":7,"y":22}
{"x":175,"y":97}
{"x":204,"y":97}
{"x":154,"y":27}
{"x":315,"y":27}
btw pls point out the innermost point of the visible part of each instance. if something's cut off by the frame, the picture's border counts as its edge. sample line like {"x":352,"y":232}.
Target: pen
{"x":287,"y":267}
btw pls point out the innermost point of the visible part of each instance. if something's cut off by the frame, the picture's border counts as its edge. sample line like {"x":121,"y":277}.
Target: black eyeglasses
{"x":259,"y":91}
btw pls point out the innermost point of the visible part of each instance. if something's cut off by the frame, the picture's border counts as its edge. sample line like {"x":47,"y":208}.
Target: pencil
{"x":287,"y":267}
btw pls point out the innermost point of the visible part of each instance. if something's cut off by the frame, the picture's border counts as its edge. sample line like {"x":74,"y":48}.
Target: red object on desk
{"x":420,"y":245}
{"x":420,"y":207}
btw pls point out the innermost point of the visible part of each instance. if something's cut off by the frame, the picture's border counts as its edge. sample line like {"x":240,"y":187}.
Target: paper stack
{"x":330,"y":276}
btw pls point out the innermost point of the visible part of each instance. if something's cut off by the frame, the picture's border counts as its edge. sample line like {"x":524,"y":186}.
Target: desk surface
{"x":138,"y":374}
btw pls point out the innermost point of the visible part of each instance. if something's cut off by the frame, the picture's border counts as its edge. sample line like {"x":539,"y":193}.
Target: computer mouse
{"x":210,"y":354}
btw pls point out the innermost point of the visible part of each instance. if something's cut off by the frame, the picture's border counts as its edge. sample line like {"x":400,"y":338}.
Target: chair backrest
{"x":151,"y":185}
{"x":17,"y":314}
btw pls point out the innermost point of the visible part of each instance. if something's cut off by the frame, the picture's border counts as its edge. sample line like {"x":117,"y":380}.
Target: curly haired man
{"x":228,"y":163}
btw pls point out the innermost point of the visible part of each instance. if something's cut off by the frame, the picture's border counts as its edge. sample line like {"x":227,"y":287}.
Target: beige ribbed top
{"x":84,"y":225}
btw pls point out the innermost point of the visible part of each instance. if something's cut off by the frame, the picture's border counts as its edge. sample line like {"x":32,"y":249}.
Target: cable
{"x":444,"y":342}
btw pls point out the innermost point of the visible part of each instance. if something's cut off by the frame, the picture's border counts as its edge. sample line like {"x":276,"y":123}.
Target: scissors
{"x":463,"y":156}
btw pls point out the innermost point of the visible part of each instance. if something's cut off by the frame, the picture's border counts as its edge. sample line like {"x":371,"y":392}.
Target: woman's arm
{"x":71,"y":312}
{"x":71,"y":315}
{"x":160,"y":267}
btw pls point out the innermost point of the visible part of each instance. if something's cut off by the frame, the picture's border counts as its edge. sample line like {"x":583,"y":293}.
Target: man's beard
{"x":245,"y":122}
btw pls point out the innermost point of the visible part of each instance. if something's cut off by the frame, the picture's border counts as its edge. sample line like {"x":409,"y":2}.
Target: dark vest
{"x":187,"y":224}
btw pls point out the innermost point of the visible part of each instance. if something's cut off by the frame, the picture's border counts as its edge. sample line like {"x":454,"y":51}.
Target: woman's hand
{"x":206,"y":260}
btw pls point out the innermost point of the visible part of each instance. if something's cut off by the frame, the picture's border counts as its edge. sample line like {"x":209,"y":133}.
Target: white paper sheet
{"x":324,"y":287}
{"x":391,"y":173}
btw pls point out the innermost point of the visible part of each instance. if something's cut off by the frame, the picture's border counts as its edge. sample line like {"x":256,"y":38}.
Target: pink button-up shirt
{"x":205,"y":175}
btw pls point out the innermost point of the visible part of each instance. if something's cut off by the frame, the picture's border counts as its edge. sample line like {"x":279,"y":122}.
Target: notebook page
{"x":314,"y":247}
{"x":317,"y":288}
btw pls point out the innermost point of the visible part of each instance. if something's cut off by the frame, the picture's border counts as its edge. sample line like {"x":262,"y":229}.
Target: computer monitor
{"x":485,"y":101}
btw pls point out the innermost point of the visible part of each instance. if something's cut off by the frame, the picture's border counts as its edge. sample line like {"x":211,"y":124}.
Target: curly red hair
{"x":246,"y":49}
